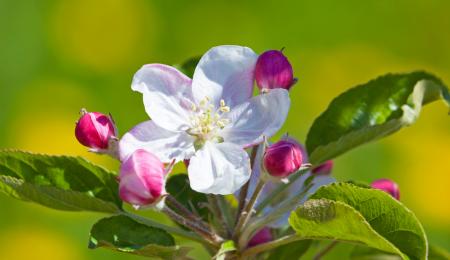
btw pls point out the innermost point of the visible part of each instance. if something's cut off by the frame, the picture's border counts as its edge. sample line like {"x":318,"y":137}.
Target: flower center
{"x":206,"y":120}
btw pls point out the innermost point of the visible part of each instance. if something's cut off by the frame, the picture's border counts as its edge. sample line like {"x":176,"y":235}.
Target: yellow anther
{"x":225,"y":109}
{"x":222,"y":103}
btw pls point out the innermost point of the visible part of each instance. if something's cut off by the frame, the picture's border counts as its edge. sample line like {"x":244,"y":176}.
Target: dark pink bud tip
{"x":283,"y":158}
{"x":388,"y":186}
{"x":94,"y":130}
{"x":261,"y":237}
{"x":323,"y":169}
{"x":141,"y":178}
{"x":273,"y":70}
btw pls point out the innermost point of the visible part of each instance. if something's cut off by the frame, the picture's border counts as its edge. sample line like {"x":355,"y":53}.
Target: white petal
{"x":167,"y":95}
{"x":262,"y":116}
{"x":219,"y":168}
{"x":165,"y":144}
{"x":225,"y":72}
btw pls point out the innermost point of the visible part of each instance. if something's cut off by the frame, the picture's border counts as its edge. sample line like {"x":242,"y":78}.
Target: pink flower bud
{"x":94,"y":130}
{"x":142,"y":178}
{"x":261,"y":237}
{"x":388,"y":186}
{"x":283,"y":158}
{"x":323,"y":169}
{"x":273,"y":70}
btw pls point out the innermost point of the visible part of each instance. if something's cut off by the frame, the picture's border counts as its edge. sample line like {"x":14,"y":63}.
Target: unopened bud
{"x":142,"y":179}
{"x":283,"y":158}
{"x":388,"y":186}
{"x":95,"y":130}
{"x":261,"y":237}
{"x":323,"y":169}
{"x":273,"y":70}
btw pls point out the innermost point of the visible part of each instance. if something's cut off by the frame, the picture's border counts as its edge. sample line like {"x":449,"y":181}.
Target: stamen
{"x":207,"y":119}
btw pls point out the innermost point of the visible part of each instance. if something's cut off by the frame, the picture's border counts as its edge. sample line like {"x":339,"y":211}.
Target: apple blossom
{"x":283,"y":158}
{"x":142,"y":178}
{"x":95,"y":130}
{"x":209,"y":119}
{"x":273,"y":70}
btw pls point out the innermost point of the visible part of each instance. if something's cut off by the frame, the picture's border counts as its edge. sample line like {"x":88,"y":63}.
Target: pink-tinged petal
{"x":261,"y":237}
{"x":388,"y":186}
{"x":165,"y":144}
{"x":141,"y":180}
{"x":283,"y":158}
{"x":94,"y":130}
{"x":273,"y":70}
{"x":219,"y":168}
{"x":324,"y":168}
{"x":225,"y":72}
{"x":262,"y":116}
{"x":167,"y":95}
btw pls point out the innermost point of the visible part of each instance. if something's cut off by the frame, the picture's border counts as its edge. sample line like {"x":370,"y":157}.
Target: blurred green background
{"x":58,"y":56}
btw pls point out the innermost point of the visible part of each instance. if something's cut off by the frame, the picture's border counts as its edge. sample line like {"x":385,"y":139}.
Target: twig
{"x":213,"y":238}
{"x":218,"y":214}
{"x":244,"y":189}
{"x":248,"y":210}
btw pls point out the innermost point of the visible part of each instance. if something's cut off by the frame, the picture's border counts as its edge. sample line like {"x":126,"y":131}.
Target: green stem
{"x":276,"y":193}
{"x":244,"y":189}
{"x":326,"y":250}
{"x":227,"y":214}
{"x":248,"y":210}
{"x":260,"y":222}
{"x":218,"y":215}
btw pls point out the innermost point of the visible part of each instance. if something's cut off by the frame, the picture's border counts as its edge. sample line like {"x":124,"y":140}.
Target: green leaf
{"x":291,"y":251}
{"x":371,"y":111}
{"x":343,"y":211}
{"x":367,"y":253}
{"x":124,"y":234}
{"x":188,"y":67}
{"x":59,"y":182}
{"x":178,"y":186}
{"x":327,"y":219}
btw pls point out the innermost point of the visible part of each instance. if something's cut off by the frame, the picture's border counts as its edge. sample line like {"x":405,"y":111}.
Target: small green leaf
{"x":188,"y":67}
{"x":345,"y":212}
{"x":291,"y":251}
{"x":371,"y":111}
{"x":124,"y":234}
{"x":226,"y":247}
{"x":178,"y":186}
{"x":59,"y":182}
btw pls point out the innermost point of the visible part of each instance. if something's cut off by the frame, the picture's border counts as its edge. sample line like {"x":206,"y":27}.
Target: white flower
{"x":209,"y":119}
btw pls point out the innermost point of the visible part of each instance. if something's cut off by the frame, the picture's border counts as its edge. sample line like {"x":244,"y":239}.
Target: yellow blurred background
{"x":59,"y":56}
